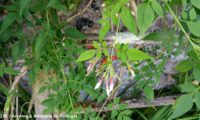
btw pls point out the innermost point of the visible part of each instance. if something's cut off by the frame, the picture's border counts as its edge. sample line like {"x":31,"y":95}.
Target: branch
{"x":22,"y":73}
{"x":160,"y":101}
{"x":81,"y":12}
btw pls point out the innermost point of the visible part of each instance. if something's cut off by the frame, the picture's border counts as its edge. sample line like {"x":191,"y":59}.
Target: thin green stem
{"x":60,"y":64}
{"x":182,"y":29}
{"x":178,"y":22}
{"x":63,"y":72}
{"x":186,"y":77}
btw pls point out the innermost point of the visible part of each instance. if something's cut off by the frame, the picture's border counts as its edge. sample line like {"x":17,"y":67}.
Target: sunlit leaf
{"x":86,"y":55}
{"x":104,"y":29}
{"x":193,"y":14}
{"x":194,"y":28}
{"x":145,"y":17}
{"x":155,"y":36}
{"x":157,"y":7}
{"x":128,"y":20}
{"x":196,"y":3}
{"x":135,"y":54}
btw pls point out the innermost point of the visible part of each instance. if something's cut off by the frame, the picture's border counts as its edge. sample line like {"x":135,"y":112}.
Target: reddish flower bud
{"x":111,"y":84}
{"x":131,"y":71}
{"x":89,"y":46}
{"x":114,"y":58}
{"x":107,"y":88}
{"x":99,"y":83}
{"x":104,"y":61}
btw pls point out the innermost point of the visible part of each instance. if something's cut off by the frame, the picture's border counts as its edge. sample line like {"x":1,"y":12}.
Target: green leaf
{"x":104,"y":29}
{"x":51,"y":104}
{"x":56,"y":4}
{"x":145,"y":17}
{"x":122,"y":106}
{"x":197,"y":100}
{"x":32,"y":75}
{"x":10,"y":18}
{"x":184,"y":66}
{"x":116,"y":100}
{"x":123,"y":57}
{"x":95,"y":44}
{"x":74,"y":34}
{"x":119,"y":117}
{"x":135,"y":54}
{"x":187,"y":88}
{"x":40,"y":43}
{"x":105,"y":52}
{"x":110,"y":106}
{"x":4,"y":89}
{"x":86,"y":55}
{"x":149,"y":92}
{"x":23,"y":4}
{"x":42,"y":89}
{"x":161,"y":113}
{"x":183,"y":104}
{"x":194,"y":28}
{"x":193,"y":14}
{"x":196,"y":3}
{"x":127,"y":112}
{"x":115,"y":11}
{"x":126,"y":118}
{"x":18,"y":50}
{"x":114,"y":113}
{"x":10,"y":71}
{"x":128,"y":20}
{"x":123,"y":1}
{"x":196,"y":72}
{"x":157,"y":7}
{"x":184,"y":3}
{"x":38,"y":5}
{"x":155,"y":36}
{"x":11,"y":7}
{"x":184,"y":15}
{"x":99,"y":54}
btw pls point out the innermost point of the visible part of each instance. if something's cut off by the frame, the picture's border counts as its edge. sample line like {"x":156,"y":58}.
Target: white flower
{"x":111,"y":84}
{"x":103,"y":5}
{"x":126,"y":37}
{"x":107,"y":88}
{"x":131,"y":71}
{"x":91,"y":65}
{"x":99,"y":83}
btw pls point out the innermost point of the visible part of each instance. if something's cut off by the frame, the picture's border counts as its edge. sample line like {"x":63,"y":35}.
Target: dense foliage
{"x":37,"y":35}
